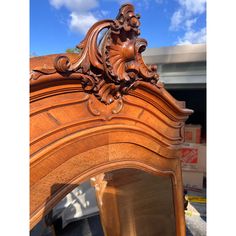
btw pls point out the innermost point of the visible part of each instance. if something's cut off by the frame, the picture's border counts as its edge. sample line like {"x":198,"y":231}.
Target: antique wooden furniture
{"x":98,"y":111}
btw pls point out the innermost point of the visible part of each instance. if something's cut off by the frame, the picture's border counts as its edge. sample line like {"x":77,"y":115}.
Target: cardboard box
{"x":193,"y":157}
{"x":193,"y":179}
{"x":193,"y":161}
{"x":192,"y":133}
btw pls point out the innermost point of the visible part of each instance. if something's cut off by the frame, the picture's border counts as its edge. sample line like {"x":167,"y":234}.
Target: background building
{"x":183,"y":71}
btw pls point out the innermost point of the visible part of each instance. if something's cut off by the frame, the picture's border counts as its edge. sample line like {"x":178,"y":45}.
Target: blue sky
{"x":56,"y":25}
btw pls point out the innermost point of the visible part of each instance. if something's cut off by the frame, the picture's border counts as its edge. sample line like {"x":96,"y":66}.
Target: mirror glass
{"x":124,"y":202}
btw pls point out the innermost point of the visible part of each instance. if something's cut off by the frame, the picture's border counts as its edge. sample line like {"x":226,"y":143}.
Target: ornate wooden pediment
{"x":111,"y":67}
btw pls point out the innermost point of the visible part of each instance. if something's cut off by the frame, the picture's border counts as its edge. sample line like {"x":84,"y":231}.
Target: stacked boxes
{"x":193,"y":157}
{"x":192,"y":133}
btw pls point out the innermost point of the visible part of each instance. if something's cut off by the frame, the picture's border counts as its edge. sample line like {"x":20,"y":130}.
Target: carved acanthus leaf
{"x":112,"y":67}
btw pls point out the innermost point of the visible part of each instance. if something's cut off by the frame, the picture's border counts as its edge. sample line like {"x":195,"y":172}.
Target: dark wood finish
{"x":101,"y":110}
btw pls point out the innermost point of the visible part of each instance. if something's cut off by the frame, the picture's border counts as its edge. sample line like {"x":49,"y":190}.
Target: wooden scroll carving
{"x":111,"y":68}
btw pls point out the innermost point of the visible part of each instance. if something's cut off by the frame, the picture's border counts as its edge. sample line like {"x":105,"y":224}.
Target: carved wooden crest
{"x":110,"y":68}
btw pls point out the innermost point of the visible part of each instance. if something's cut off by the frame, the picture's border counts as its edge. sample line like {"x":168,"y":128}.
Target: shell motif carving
{"x":112,"y":67}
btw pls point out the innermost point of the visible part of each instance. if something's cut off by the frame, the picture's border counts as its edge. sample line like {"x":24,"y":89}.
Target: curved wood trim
{"x":44,"y":152}
{"x":182,"y":114}
{"x":159,"y":93}
{"x":66,"y":103}
{"x":165,"y":122}
{"x":60,"y":89}
{"x":81,"y":122}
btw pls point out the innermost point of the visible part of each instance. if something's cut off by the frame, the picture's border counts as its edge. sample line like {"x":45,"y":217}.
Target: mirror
{"x":124,"y":202}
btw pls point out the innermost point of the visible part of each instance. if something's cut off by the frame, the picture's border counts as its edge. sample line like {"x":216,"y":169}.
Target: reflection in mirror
{"x":124,"y":202}
{"x":75,"y":215}
{"x":133,"y":202}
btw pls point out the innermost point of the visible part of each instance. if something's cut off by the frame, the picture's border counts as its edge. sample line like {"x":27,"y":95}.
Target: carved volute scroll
{"x":112,"y":67}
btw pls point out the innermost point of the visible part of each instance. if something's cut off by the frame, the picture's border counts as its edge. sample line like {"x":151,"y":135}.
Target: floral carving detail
{"x":112,"y":67}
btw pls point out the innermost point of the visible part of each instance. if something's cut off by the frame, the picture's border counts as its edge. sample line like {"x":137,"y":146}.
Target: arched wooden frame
{"x":90,"y":115}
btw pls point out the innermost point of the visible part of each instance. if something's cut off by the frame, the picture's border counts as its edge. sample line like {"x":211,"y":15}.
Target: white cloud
{"x":81,"y":22}
{"x":193,"y":6}
{"x":192,"y":37}
{"x":184,"y":16}
{"x":81,"y":17}
{"x":176,"y":20}
{"x":189,"y":23}
{"x":75,"y":5}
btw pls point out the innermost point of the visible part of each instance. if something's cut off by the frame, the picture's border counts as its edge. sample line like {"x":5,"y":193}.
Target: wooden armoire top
{"x":110,"y":68}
